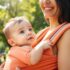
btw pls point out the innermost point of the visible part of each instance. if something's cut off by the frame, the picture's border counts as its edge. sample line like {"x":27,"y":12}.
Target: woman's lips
{"x":48,"y":8}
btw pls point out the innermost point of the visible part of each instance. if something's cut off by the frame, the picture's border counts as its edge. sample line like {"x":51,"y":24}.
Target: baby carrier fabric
{"x":48,"y":60}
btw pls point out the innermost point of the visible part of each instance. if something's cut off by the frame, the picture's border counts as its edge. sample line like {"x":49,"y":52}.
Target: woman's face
{"x":49,"y":8}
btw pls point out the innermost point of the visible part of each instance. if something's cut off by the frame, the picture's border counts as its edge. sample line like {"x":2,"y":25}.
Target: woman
{"x":58,"y":12}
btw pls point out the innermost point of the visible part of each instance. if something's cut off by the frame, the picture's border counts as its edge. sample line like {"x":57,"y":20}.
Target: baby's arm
{"x":29,"y":55}
{"x":9,"y":64}
{"x":36,"y":53}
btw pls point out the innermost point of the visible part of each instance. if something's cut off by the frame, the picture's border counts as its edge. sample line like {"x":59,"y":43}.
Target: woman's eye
{"x":21,"y":31}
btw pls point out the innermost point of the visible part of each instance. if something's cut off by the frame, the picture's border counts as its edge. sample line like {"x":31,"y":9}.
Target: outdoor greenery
{"x":13,"y":8}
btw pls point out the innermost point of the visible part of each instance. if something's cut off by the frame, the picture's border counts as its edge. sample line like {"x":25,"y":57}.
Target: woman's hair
{"x":64,"y":6}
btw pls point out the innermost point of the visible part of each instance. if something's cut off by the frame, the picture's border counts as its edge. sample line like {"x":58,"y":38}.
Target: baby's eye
{"x":21,"y":31}
{"x":30,"y":29}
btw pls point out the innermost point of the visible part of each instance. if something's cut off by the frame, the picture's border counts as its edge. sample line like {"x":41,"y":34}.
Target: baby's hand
{"x":2,"y":66}
{"x":46,"y":44}
{"x":17,"y":68}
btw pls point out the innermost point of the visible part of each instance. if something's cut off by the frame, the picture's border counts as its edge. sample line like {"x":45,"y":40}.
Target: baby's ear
{"x":11,"y":42}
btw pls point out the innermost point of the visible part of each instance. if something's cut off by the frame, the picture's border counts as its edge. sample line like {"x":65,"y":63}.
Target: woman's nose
{"x":46,"y":1}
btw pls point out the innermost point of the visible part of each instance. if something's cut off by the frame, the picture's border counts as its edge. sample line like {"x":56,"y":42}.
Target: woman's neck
{"x":53,"y":23}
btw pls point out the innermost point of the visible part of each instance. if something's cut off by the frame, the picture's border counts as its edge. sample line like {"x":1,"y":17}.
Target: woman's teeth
{"x":47,"y":9}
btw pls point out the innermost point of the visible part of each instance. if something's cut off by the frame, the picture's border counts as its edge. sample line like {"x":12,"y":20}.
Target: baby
{"x":20,"y":36}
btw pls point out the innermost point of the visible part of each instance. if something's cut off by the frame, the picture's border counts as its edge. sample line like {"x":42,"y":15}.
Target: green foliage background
{"x":13,"y":8}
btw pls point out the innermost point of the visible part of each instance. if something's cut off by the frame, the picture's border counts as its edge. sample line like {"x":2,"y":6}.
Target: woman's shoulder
{"x":64,"y":50}
{"x":65,"y":39}
{"x":66,"y":34}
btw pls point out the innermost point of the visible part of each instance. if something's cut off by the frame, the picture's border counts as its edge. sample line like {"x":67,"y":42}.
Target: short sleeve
{"x":21,"y":53}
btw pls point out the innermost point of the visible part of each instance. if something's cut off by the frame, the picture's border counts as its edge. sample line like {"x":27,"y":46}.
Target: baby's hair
{"x":11,"y":23}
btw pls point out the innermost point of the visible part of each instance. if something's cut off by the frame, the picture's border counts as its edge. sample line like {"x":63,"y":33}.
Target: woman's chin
{"x":47,"y":16}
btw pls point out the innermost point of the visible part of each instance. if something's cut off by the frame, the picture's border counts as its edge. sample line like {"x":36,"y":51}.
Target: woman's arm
{"x":64,"y":52}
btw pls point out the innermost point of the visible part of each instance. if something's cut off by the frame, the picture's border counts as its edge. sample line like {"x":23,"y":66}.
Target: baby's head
{"x":19,"y":32}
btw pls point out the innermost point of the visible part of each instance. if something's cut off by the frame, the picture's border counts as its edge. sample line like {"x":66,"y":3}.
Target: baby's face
{"x":23,"y":34}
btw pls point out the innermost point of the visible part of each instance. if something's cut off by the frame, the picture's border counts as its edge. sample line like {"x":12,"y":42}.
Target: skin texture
{"x":64,"y":43}
{"x":64,"y":52}
{"x":20,"y":34}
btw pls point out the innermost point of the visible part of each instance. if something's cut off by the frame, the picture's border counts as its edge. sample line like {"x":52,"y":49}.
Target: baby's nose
{"x":29,"y":32}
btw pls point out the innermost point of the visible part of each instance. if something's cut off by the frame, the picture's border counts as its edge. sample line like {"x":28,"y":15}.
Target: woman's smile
{"x":48,"y":9}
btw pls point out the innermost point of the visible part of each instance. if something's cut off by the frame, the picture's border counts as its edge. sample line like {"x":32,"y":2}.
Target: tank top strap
{"x":56,"y":36}
{"x":41,"y":36}
{"x":54,"y":32}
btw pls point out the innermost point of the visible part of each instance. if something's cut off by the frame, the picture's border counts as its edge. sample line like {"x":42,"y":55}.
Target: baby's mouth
{"x":30,"y":38}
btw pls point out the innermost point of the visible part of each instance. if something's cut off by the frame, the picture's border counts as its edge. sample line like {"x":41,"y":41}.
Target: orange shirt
{"x":12,"y":61}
